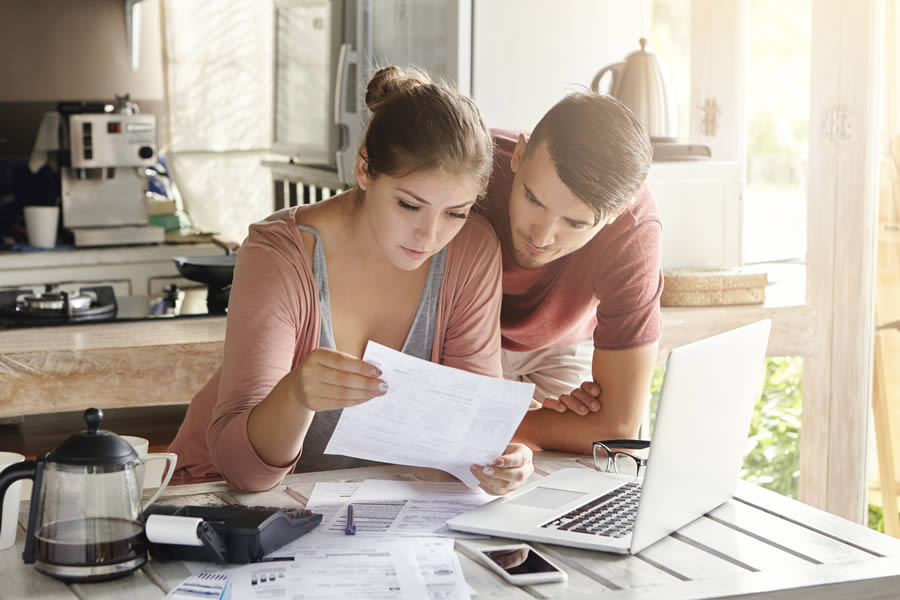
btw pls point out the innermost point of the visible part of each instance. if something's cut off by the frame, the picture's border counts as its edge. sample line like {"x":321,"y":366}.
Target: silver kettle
{"x":638,"y":84}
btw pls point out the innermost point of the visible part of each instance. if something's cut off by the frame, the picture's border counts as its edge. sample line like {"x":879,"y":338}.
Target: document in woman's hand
{"x":431,"y":416}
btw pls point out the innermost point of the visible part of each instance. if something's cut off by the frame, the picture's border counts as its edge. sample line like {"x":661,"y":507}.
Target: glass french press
{"x":85,"y":521}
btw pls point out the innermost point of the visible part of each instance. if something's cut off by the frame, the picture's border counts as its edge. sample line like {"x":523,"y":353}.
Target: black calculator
{"x":233,"y":533}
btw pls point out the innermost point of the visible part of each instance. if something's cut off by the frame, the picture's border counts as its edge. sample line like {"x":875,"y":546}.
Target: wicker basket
{"x":714,"y":288}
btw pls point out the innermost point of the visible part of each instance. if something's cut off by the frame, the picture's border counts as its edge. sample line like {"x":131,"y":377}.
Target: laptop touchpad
{"x":545,"y":497}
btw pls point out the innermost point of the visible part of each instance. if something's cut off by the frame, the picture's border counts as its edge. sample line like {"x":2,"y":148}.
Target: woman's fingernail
{"x":487,"y":471}
{"x":382,"y":387}
{"x":376,"y":373}
{"x":595,"y":405}
{"x":475,"y":468}
{"x":498,"y":462}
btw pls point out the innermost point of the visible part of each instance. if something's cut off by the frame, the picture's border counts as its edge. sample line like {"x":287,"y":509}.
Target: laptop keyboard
{"x":610,"y":515}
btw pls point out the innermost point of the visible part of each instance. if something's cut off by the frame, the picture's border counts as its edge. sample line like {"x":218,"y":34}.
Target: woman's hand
{"x":329,"y":379}
{"x":509,"y":472}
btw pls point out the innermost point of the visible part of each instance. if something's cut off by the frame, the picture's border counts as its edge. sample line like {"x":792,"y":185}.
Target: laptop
{"x":705,"y":406}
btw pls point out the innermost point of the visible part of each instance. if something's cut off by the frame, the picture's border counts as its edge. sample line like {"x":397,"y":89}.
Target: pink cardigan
{"x":273,"y":324}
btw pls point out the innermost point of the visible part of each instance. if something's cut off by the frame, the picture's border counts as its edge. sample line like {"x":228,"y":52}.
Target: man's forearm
{"x":570,"y":432}
{"x":623,"y":378}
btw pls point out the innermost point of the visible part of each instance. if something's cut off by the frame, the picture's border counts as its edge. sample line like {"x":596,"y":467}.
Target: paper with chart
{"x":392,"y":508}
{"x":354,"y":567}
{"x":328,"y":498}
{"x":432,"y":416}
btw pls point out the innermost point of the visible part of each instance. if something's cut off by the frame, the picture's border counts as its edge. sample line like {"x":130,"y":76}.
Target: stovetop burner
{"x":26,"y":308}
{"x":55,"y":301}
{"x":90,"y":303}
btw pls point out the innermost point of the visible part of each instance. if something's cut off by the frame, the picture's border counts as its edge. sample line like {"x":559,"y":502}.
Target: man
{"x":580,"y":238}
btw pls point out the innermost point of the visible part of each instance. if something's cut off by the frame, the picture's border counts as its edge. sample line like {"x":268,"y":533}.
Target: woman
{"x":397,"y":259}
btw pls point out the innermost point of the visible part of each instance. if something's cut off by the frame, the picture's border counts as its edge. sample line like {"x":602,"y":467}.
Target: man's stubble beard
{"x":529,"y":261}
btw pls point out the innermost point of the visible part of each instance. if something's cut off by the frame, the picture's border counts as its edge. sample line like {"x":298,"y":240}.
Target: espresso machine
{"x":103,"y":182}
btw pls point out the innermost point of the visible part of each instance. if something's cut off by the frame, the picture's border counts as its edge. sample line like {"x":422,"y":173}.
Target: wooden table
{"x":758,"y":545}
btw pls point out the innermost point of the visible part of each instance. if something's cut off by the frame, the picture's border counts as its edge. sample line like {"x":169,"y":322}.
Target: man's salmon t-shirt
{"x":609,"y":288}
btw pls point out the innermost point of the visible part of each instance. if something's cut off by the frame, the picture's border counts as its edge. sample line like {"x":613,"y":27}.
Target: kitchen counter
{"x":143,"y":363}
{"x":167,"y":361}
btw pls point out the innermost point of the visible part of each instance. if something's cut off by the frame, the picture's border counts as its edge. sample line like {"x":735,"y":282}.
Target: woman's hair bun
{"x":392,"y":80}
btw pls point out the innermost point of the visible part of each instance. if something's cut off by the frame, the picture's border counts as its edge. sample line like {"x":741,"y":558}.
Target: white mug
{"x":152,"y":476}
{"x":10,"y":514}
{"x":41,"y":223}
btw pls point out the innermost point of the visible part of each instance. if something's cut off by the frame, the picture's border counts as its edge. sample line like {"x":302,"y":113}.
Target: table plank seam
{"x":712,"y":551}
{"x":155,"y":578}
{"x":663,"y":568}
{"x":765,"y":540}
{"x":228,"y":498}
{"x":535,"y":592}
{"x":576,"y":564}
{"x":76,"y":590}
{"x":789,"y":508}
{"x":295,"y":495}
{"x":541,"y":472}
{"x":812,"y":528}
{"x":177,"y":491}
{"x":149,"y":570}
{"x":778,"y":585}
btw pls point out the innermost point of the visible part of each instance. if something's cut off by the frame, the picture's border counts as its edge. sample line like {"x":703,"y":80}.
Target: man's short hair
{"x":600,"y":149}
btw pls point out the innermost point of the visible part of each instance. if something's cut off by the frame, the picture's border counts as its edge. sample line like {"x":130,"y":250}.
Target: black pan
{"x":216,"y":271}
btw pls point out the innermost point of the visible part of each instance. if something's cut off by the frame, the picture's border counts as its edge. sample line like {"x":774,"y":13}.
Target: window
{"x":671,"y":41}
{"x":772,"y":140}
{"x":777,"y":130}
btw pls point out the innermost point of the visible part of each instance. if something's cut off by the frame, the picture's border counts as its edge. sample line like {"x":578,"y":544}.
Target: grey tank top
{"x":418,"y":343}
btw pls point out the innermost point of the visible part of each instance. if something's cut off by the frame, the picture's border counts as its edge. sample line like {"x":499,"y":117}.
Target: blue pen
{"x":350,"y":529}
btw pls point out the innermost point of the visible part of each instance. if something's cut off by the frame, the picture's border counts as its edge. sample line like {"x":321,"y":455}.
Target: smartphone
{"x":520,"y":564}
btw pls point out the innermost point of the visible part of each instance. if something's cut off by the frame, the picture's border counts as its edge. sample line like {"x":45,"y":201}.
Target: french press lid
{"x":94,"y":446}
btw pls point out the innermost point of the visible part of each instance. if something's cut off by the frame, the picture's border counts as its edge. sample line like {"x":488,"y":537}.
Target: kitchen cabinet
{"x":131,"y":270}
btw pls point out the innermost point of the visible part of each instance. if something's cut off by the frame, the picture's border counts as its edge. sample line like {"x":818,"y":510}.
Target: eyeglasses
{"x":615,"y":461}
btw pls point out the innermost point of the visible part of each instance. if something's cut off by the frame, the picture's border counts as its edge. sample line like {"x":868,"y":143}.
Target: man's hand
{"x":508,"y":472}
{"x":582,"y":400}
{"x":329,"y":379}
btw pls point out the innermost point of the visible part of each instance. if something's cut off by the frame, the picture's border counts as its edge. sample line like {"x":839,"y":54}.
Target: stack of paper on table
{"x":371,"y":568}
{"x":374,"y":568}
{"x":395,"y":553}
{"x":393,"y":508}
